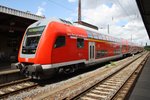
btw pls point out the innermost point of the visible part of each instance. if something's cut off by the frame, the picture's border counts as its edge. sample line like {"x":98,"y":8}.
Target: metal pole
{"x":108,"y":28}
{"x":79,"y":11}
{"x":131,"y":37}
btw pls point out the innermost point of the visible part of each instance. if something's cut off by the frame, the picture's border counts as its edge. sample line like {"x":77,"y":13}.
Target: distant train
{"x":51,"y":45}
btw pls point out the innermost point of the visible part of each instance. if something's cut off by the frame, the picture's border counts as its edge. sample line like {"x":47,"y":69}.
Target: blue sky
{"x":52,"y":8}
{"x":122,"y":21}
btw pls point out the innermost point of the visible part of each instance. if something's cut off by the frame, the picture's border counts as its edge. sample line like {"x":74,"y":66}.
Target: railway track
{"x":6,"y":72}
{"x":108,"y":83}
{"x":16,"y":86}
{"x":126,"y":89}
{"x":114,"y":87}
{"x":104,"y":84}
{"x":10,"y":75}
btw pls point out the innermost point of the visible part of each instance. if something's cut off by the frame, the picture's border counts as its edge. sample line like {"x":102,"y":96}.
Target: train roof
{"x":43,"y":22}
{"x":96,"y":34}
{"x":91,"y":33}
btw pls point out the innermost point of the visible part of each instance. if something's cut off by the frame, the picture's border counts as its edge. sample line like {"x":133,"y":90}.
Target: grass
{"x":147,"y":48}
{"x":113,"y":63}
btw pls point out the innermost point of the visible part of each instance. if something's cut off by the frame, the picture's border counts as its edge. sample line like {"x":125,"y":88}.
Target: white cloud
{"x":40,"y":11}
{"x":72,"y":1}
{"x":104,"y":12}
{"x":69,"y":19}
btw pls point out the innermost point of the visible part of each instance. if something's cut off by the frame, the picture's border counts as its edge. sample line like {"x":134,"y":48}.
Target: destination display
{"x":35,"y":30}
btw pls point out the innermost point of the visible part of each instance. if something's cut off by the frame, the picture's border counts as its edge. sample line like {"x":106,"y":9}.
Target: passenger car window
{"x":60,"y":41}
{"x":80,"y":43}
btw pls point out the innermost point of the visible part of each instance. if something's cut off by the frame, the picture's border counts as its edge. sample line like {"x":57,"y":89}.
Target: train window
{"x":89,"y":34}
{"x":80,"y":43}
{"x":117,"y":52}
{"x":109,"y":38}
{"x":100,"y":37}
{"x":104,"y":37}
{"x":95,"y":36}
{"x":60,"y":41}
{"x":101,"y":53}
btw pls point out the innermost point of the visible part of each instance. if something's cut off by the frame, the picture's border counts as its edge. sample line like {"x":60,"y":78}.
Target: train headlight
{"x":23,"y":51}
{"x":33,"y":51}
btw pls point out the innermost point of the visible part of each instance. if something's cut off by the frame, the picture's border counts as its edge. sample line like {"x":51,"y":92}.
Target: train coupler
{"x":16,"y":66}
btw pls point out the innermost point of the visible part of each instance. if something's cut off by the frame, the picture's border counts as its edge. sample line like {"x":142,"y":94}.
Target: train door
{"x":91,"y":51}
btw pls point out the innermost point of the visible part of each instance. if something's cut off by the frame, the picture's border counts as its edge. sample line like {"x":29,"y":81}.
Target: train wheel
{"x":69,"y":69}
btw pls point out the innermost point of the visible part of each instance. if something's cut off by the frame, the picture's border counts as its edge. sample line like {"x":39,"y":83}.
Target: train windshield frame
{"x":32,"y":39}
{"x":35,"y":30}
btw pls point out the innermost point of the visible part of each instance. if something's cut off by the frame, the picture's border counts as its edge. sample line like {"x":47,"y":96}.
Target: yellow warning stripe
{"x":93,"y":40}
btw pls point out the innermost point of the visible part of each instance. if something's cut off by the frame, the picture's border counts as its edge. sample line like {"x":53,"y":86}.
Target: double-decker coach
{"x":51,"y":45}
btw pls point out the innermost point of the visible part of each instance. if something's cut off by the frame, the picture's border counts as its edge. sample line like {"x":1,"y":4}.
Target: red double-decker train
{"x":51,"y":45}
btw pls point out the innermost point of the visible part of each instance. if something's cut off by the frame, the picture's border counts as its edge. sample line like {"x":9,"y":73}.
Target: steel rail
{"x":127,"y":87}
{"x":73,"y":90}
{"x":16,"y":86}
{"x":110,"y":87}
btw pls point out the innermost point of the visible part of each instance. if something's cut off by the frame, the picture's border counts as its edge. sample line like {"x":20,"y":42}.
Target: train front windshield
{"x":31,"y":39}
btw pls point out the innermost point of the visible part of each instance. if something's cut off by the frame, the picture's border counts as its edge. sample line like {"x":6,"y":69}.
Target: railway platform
{"x":4,"y":67}
{"x":141,"y":90}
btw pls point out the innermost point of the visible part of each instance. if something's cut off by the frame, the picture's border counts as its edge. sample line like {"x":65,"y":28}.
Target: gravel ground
{"x":49,"y":87}
{"x":52,"y":86}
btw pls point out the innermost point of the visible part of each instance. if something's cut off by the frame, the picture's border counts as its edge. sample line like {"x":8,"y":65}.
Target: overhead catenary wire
{"x":66,"y":8}
{"x":131,"y":4}
{"x":126,"y":11}
{"x":123,"y":9}
{"x":90,"y":19}
{"x":134,"y":15}
{"x":61,"y":5}
{"x":72,"y":10}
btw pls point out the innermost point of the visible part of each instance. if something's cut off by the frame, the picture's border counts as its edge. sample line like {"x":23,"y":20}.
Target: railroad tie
{"x":1,"y":92}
